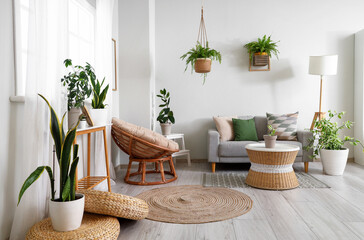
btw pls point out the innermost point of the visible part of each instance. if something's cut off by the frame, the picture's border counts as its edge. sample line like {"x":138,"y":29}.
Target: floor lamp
{"x":323,"y":66}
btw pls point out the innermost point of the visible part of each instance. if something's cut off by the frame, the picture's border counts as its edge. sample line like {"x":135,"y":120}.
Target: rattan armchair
{"x":144,"y":146}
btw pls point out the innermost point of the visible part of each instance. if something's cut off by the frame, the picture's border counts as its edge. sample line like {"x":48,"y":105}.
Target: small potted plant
{"x":165,"y":117}
{"x":327,"y":142}
{"x":99,"y":113}
{"x":78,"y":90}
{"x":83,"y":122}
{"x":66,"y":211}
{"x":270,"y":138}
{"x":200,"y":59}
{"x":261,"y":50}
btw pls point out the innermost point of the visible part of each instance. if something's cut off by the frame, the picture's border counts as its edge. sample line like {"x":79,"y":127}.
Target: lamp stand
{"x":320,"y":115}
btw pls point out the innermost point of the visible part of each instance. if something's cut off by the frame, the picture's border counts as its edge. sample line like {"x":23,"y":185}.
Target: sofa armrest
{"x":302,"y":137}
{"x":213,"y":141}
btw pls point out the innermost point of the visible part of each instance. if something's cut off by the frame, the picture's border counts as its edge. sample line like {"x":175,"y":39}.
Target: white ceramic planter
{"x":67,"y":216}
{"x":334,"y":161}
{"x":99,"y":116}
{"x":73,"y":115}
{"x":166,"y":128}
{"x":82,"y":124}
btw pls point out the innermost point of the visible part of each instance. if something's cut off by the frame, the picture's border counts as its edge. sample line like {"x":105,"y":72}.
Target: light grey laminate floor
{"x":330,"y":213}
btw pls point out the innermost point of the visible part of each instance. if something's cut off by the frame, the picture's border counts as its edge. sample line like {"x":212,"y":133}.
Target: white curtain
{"x":47,"y":46}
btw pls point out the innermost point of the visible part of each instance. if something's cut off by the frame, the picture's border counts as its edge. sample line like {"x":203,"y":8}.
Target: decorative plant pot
{"x":260,"y":59}
{"x":99,"y":116}
{"x":67,"y":216}
{"x":334,"y":161}
{"x":166,"y":128}
{"x":73,"y":115}
{"x":82,"y":124}
{"x":270,"y":141}
{"x":203,"y":65}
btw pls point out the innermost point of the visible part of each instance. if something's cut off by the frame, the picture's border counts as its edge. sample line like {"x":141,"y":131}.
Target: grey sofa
{"x":234,"y":151}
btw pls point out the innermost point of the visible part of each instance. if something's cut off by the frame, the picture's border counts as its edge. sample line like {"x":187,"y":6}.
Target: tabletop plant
{"x":99,"y":95}
{"x":165,"y":115}
{"x":67,"y":163}
{"x":78,"y":86}
{"x":262,"y":46}
{"x":326,"y":134}
{"x":200,"y":52}
{"x":272,"y":131}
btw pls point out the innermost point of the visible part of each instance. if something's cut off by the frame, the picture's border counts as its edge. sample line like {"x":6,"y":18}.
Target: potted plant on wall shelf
{"x":330,"y":145}
{"x":165,"y":117}
{"x":200,"y":59}
{"x":99,"y":113}
{"x":270,"y":138}
{"x":66,"y":211}
{"x":78,"y":90}
{"x":261,"y":50}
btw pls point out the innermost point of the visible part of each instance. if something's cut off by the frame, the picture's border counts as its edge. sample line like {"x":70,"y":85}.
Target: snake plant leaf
{"x":66,"y":190}
{"x":55,"y":128}
{"x":103,"y":96}
{"x":62,"y":129}
{"x":32,"y":178}
{"x":73,"y":178}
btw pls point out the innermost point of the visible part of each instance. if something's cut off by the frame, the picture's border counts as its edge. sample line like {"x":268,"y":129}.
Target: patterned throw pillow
{"x":285,"y":125}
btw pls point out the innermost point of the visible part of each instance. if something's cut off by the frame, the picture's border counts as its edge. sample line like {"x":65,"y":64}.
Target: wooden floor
{"x":330,"y":213}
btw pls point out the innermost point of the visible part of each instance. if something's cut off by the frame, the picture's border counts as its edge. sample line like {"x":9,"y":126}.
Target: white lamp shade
{"x":323,"y":65}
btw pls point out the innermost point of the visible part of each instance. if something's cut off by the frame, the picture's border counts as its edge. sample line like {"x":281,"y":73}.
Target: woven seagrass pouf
{"x":114,"y":204}
{"x":93,"y":226}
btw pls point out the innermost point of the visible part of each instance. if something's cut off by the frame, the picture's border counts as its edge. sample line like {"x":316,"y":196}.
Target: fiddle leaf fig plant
{"x":262,"y":45}
{"x":326,"y":134}
{"x":165,"y":115}
{"x":66,"y":160}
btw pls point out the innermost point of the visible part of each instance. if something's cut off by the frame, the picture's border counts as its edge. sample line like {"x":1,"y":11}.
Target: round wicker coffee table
{"x":94,"y":226}
{"x":271,"y":168}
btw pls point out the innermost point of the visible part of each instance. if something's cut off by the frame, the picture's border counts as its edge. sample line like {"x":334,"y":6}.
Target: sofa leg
{"x":213,"y":165}
{"x":306,"y":167}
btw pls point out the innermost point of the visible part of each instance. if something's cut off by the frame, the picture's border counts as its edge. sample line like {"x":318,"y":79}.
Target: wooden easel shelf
{"x":89,"y":182}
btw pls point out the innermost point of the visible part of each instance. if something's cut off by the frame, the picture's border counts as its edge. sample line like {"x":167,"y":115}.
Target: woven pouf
{"x":93,"y":227}
{"x":114,"y":204}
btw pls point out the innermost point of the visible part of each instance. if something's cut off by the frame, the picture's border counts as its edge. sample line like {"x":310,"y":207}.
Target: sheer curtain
{"x":47,"y":48}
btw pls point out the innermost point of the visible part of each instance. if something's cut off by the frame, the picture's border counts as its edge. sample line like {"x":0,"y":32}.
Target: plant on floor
{"x":99,"y":95}
{"x":201,"y":53}
{"x":63,"y":144}
{"x":262,"y":46}
{"x":326,"y":132}
{"x":272,"y":131}
{"x":78,"y":86}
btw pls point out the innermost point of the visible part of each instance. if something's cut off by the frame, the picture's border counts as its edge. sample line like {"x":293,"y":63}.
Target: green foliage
{"x":200,"y":52}
{"x":272,"y":131}
{"x":165,"y":115}
{"x":63,"y":144}
{"x":263,"y":45}
{"x":326,"y":133}
{"x":99,"y":95}
{"x":78,"y":86}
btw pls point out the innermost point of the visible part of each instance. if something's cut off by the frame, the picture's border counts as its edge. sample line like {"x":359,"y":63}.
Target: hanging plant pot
{"x":260,"y":59}
{"x":203,"y":65}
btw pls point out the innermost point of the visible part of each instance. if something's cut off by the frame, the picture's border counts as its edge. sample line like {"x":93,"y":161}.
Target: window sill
{"x":17,"y":99}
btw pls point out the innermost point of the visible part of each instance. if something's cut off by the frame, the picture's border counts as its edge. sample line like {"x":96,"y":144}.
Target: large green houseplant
{"x":165,"y":117}
{"x":78,"y":90}
{"x":327,"y":142}
{"x":260,"y":49}
{"x":63,"y":218}
{"x":200,"y":58}
{"x":98,"y":112}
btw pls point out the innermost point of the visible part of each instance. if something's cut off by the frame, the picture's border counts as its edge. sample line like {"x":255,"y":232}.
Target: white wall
{"x":10,"y":121}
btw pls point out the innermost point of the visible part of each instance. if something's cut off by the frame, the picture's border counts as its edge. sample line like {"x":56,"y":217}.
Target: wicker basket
{"x":114,"y":204}
{"x":93,"y":226}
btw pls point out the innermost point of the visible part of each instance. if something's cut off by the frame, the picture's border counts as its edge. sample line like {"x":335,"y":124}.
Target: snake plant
{"x":98,"y":94}
{"x":63,"y":143}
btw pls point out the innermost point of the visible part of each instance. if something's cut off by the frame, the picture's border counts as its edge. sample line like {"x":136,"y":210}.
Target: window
{"x":81,"y":26}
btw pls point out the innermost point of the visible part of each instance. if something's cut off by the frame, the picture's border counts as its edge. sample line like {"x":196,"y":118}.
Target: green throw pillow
{"x":244,"y":130}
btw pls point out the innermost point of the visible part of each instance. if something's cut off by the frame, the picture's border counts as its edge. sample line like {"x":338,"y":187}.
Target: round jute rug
{"x":195,"y":204}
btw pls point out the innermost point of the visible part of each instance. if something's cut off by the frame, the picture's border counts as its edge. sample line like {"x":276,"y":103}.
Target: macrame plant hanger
{"x":202,"y":34}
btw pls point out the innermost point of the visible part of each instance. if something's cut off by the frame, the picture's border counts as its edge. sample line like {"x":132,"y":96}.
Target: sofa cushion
{"x":233,"y":148}
{"x":261,"y":126}
{"x":285,"y":125}
{"x":244,"y":130}
{"x":224,"y":126}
